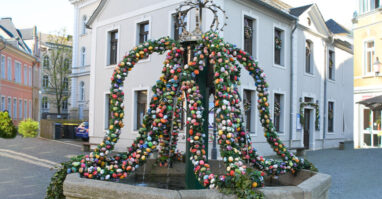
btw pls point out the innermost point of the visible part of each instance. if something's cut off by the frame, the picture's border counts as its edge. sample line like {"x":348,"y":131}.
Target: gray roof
{"x":7,"y":25}
{"x":27,"y":33}
{"x":336,"y":28}
{"x":299,"y":10}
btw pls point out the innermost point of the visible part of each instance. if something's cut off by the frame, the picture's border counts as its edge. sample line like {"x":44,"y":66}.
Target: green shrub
{"x":28,"y":128}
{"x":7,"y":128}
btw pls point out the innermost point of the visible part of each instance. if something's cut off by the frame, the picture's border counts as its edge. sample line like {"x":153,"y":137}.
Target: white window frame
{"x":25,"y":69}
{"x":282,"y":107}
{"x":47,"y":103}
{"x":83,"y":24}
{"x":9,"y":106}
{"x":365,"y":51}
{"x":170,"y":30}
{"x":312,"y":66}
{"x":9,"y":69}
{"x":17,"y":71}
{"x":82,"y":90}
{"x":136,"y":34}
{"x":30,"y":76}
{"x":254,"y":111}
{"x":333,"y":79}
{"x":107,"y":55}
{"x":42,"y":83}
{"x":334,"y":117}
{"x":83,"y":56}
{"x":2,"y":103}
{"x":283,"y":64}
{"x":134,"y":107}
{"x":256,"y":33}
{"x":3,"y":66}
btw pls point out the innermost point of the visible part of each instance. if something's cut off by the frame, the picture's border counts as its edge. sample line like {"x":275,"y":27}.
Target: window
{"x":278,"y":45}
{"x":15,"y":108}
{"x":248,"y":35}
{"x":46,"y":62}
{"x":65,"y":105}
{"x":9,"y":69}
{"x":30,"y":109}
{"x":9,"y":107}
{"x":66,"y":84}
{"x":25,"y":75}
{"x":83,"y":25}
{"x":308,"y":99}
{"x":176,"y":26}
{"x":82,"y":91}
{"x":45,"y":81}
{"x":2,"y":67}
{"x":83,"y":56}
{"x":17,"y":72}
{"x":143,"y":32}
{"x":308,"y":57}
{"x":30,"y":76}
{"x":20,"y":109}
{"x":278,"y":113}
{"x":248,"y":104}
{"x":330,"y":116}
{"x":66,"y":63}
{"x":108,"y":114}
{"x":140,"y":104}
{"x":3,"y":103}
{"x":25,"y":109}
{"x":332,"y":65}
{"x":113,"y":47}
{"x":44,"y":103}
{"x":369,"y":57}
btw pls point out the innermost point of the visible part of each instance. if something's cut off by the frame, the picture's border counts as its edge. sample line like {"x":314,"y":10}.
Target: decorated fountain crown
{"x":198,"y":5}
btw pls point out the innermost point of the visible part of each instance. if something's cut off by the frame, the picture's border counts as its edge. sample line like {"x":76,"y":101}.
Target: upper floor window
{"x":9,"y":68}
{"x":67,"y":63}
{"x":17,"y":72}
{"x":46,"y":61}
{"x":45,"y":81}
{"x":30,"y":76}
{"x":113,"y":47}
{"x":65,"y":105}
{"x":83,"y":25}
{"x":25,"y":75}
{"x":177,"y":28}
{"x":143,"y":31}
{"x":83,"y":56}
{"x":82,"y":91}
{"x":368,"y":5}
{"x":369,"y":55}
{"x":2,"y":67}
{"x":66,"y":84}
{"x":279,"y":47}
{"x":248,"y":35}
{"x":332,"y":65}
{"x":308,"y":57}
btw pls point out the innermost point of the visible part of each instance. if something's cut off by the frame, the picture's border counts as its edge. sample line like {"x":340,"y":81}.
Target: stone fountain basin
{"x":305,"y":185}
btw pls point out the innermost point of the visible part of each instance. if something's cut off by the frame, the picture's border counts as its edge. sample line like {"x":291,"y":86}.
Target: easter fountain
{"x":199,"y":65}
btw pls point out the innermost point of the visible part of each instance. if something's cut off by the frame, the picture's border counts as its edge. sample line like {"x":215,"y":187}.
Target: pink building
{"x":19,"y":74}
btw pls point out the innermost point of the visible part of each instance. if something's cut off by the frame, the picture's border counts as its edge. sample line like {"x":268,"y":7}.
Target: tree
{"x":56,"y":66}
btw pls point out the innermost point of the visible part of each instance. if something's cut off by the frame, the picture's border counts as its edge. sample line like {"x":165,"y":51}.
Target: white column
{"x":73,"y":96}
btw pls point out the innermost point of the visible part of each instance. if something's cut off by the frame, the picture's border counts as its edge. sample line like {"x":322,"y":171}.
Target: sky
{"x":51,"y":16}
{"x":339,"y":10}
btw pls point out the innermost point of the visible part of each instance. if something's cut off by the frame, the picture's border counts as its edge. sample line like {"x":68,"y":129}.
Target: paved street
{"x":25,"y":165}
{"x":25,"y":168}
{"x":356,"y":174}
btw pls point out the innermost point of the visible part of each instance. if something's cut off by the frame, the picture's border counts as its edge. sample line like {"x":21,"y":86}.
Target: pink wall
{"x":20,"y":91}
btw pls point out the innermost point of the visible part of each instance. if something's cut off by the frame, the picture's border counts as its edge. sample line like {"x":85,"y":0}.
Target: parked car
{"x":82,"y":131}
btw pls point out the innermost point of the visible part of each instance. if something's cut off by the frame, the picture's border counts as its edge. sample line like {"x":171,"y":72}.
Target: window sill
{"x":110,"y":66}
{"x":309,"y":74}
{"x":279,"y":66}
{"x":332,"y":80}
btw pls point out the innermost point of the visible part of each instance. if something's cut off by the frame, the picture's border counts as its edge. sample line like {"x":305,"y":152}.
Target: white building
{"x":79,"y":97}
{"x":118,"y":25}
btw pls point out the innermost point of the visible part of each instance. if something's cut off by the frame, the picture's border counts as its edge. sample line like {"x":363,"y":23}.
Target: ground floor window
{"x":249,"y":109}
{"x":330,"y":116}
{"x":278,"y":112}
{"x":372,"y":127}
{"x":140,"y":104}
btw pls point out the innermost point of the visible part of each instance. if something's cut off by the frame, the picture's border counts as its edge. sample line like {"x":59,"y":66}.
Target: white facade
{"x":287,"y":79}
{"x":80,"y":77}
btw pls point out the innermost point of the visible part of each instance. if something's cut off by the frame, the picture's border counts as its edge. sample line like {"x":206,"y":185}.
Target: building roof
{"x":336,"y":28}
{"x":299,"y":10}
{"x":15,"y":36}
{"x":26,"y":33}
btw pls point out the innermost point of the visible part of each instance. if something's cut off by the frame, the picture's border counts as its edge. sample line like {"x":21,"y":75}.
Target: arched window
{"x":46,"y":61}
{"x":66,"y":84}
{"x":83,"y":28}
{"x":45,"y":81}
{"x":82,"y":91}
{"x":309,"y":57}
{"x":44,"y":103}
{"x":83,"y":56}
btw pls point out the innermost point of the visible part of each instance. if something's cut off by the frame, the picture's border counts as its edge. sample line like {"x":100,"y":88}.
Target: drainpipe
{"x":325,"y":90}
{"x":292,"y":87}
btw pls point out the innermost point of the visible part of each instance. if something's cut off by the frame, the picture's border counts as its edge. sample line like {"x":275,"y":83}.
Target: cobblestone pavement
{"x":25,"y":165}
{"x":356,"y":173}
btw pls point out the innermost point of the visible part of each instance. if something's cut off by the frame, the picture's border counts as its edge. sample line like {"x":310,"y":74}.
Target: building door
{"x":307,"y":114}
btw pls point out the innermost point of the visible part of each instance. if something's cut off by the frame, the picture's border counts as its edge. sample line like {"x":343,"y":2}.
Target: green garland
{"x":314,"y":105}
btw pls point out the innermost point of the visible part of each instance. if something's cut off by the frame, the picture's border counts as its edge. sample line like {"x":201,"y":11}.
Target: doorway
{"x":307,"y":114}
